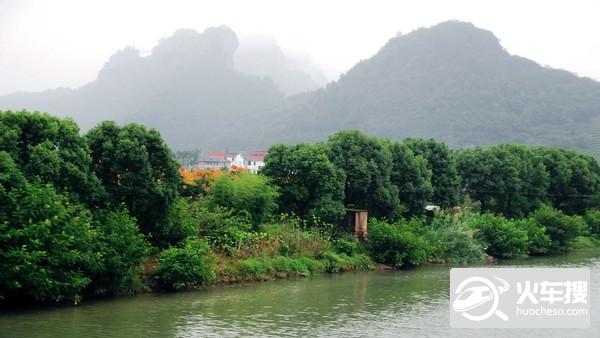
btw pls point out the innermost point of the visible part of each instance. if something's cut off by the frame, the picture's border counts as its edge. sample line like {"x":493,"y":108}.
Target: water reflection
{"x":405,"y":303}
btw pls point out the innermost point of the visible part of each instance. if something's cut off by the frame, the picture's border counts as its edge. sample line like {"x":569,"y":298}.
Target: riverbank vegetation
{"x":110,"y":212}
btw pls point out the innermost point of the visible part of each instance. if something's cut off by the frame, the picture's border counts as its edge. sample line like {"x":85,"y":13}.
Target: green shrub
{"x":347,"y":245}
{"x":453,"y":241}
{"x":190,"y":264}
{"x":254,"y":267}
{"x":501,"y":237}
{"x":222,"y":229}
{"x":592,"y":219}
{"x":561,"y":229}
{"x":178,"y":225}
{"x":122,"y":249}
{"x":396,"y":245}
{"x":538,"y":241}
{"x":312,"y":264}
{"x":585,"y":242}
{"x":46,"y":243}
{"x":290,"y":265}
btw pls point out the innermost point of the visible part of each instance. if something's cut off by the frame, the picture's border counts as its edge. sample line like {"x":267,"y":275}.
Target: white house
{"x":223,"y":159}
{"x":219,"y":160}
{"x":255,"y":160}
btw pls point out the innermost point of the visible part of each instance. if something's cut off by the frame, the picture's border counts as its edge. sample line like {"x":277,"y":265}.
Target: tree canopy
{"x":367,"y":166}
{"x":136,"y":168}
{"x":309,"y":183}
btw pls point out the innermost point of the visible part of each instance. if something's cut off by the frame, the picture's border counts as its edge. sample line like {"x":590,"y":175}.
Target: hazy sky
{"x":47,"y":44}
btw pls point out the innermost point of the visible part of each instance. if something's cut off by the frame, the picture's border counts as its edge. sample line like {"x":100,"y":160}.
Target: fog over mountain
{"x":187,"y":88}
{"x":453,"y":81}
{"x":262,"y":56}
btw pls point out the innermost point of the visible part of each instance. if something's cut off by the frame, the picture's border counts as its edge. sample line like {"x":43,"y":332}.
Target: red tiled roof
{"x":257,"y":155}
{"x":219,"y":156}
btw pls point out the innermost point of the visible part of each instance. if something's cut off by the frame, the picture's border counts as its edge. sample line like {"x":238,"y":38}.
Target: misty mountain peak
{"x":263,"y":57}
{"x":447,"y":40}
{"x":213,"y":47}
{"x":121,"y":62}
{"x":444,"y":52}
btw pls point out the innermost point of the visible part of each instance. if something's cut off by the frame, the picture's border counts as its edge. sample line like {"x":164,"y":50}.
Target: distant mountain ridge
{"x":452,"y":81}
{"x":456,"y":83}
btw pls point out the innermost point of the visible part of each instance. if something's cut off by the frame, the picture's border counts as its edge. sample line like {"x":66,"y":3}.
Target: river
{"x":408,"y":303}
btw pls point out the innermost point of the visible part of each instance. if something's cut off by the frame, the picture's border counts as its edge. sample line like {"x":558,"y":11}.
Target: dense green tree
{"x":309,"y":184}
{"x":52,"y":150}
{"x":445,"y":181}
{"x":412,"y":177}
{"x":367,"y":165}
{"x":46,"y":243}
{"x":136,"y":168}
{"x":574,"y":179}
{"x":507,"y":179}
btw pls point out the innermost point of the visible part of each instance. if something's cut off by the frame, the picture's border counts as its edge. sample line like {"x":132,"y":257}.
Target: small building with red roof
{"x":255,"y":160}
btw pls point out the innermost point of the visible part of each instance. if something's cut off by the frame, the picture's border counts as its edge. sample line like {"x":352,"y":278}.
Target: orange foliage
{"x":198,"y":176}
{"x":202,"y":178}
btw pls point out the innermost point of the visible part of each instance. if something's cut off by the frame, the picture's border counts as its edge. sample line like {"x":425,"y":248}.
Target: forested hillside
{"x":454,"y":82}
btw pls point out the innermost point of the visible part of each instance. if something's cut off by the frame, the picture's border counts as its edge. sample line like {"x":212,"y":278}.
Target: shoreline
{"x":379,"y":268}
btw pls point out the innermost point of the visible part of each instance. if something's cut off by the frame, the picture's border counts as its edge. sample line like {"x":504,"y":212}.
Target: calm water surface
{"x":412,"y":303}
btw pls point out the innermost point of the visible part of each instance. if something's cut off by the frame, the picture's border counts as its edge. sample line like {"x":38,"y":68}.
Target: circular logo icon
{"x":476,"y":293}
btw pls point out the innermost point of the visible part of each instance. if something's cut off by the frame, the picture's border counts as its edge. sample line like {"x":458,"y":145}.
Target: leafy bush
{"x":284,"y":264}
{"x":585,"y":242}
{"x":592,"y":219}
{"x":501,"y":237}
{"x":538,"y":240}
{"x":178,"y":225}
{"x":190,"y":264}
{"x":561,"y":229}
{"x":46,"y":243}
{"x":347,"y":245}
{"x":220,"y":226}
{"x":453,"y":241}
{"x":396,"y":245}
{"x":122,"y":248}
{"x":254,"y":267}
